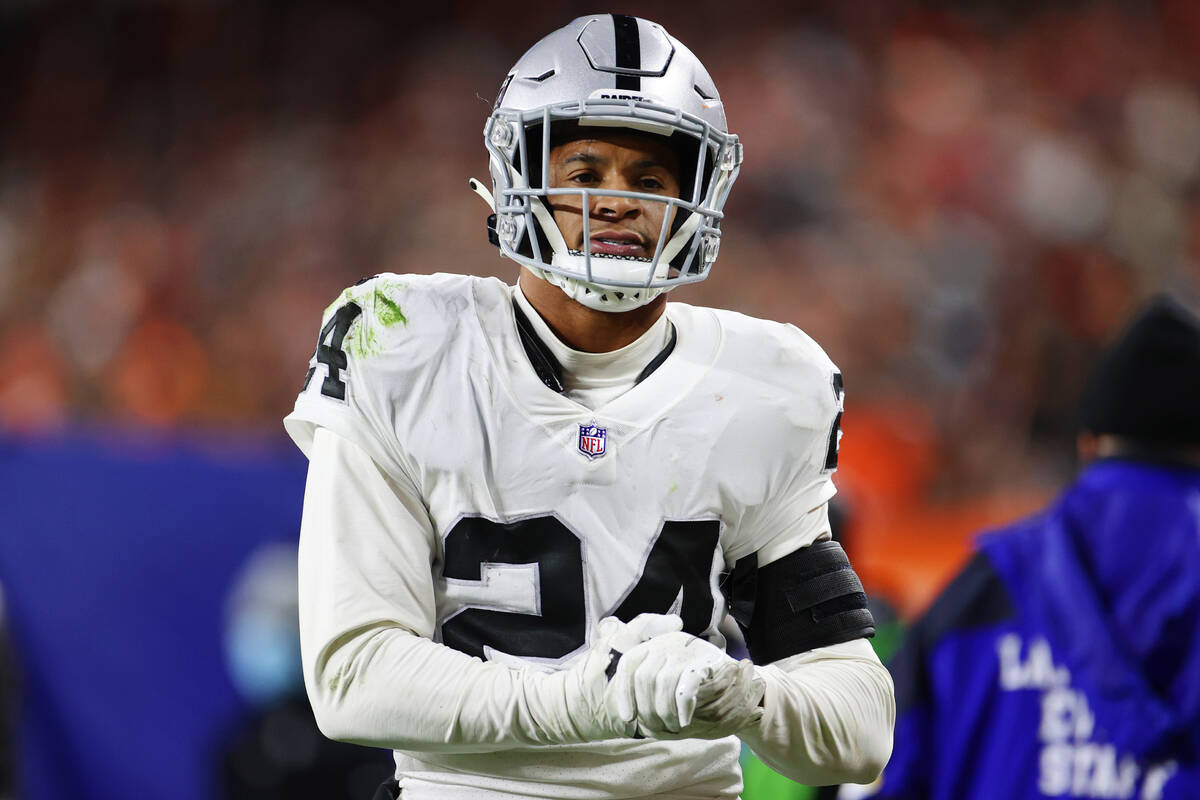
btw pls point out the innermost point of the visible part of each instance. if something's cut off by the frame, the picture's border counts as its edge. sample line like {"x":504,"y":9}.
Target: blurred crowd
{"x":960,"y":201}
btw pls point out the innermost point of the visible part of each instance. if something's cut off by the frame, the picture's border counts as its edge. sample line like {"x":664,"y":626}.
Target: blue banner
{"x":118,"y":555}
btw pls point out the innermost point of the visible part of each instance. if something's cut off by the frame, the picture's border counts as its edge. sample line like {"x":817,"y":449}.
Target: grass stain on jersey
{"x":387,"y":310}
{"x":361,"y":342}
{"x":336,"y":682}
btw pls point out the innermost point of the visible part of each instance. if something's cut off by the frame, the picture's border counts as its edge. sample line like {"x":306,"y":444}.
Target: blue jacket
{"x":1064,"y":660}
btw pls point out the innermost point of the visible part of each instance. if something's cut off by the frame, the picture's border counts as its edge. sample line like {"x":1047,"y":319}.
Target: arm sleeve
{"x":830,"y":711}
{"x":367,"y":610}
{"x":828,"y":715}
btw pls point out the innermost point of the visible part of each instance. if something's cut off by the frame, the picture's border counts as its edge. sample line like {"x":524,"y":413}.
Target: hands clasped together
{"x":649,"y":678}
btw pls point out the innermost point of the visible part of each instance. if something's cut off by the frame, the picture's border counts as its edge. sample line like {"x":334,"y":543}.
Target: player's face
{"x":619,"y":226}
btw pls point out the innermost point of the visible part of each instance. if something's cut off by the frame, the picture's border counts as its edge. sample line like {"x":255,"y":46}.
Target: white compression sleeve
{"x":829,"y":712}
{"x":366,"y":612}
{"x":829,"y":715}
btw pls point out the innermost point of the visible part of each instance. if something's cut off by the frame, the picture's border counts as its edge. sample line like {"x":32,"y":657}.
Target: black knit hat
{"x":1146,"y":386}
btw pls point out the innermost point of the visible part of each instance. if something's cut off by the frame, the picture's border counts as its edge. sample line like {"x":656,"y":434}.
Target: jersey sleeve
{"x":828,"y":715}
{"x":349,"y":380}
{"x":802,"y":458}
{"x":367,"y":611}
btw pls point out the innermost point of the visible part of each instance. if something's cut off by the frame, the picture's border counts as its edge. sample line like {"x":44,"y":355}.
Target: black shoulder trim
{"x":658,"y":360}
{"x":548,"y":370}
{"x":977,"y":597}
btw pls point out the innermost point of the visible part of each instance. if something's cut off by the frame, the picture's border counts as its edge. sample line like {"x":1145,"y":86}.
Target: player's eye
{"x":651,"y":183}
{"x":584,"y":177}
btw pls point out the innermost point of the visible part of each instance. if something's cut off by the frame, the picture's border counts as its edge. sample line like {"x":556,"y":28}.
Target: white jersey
{"x":546,"y":516}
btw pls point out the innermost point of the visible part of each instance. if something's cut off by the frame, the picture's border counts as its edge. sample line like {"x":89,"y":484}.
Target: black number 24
{"x":677,"y":568}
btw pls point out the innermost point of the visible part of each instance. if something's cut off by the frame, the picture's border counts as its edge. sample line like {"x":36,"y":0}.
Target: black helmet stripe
{"x":629,"y":50}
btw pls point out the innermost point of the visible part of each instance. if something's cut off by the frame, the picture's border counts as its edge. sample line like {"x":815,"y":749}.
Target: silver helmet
{"x":613,"y":71}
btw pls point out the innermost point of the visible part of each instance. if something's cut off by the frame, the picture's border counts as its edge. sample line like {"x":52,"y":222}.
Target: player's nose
{"x":615,"y":206}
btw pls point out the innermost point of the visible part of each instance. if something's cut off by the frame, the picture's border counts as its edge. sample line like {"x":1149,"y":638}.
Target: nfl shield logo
{"x":592,"y":439}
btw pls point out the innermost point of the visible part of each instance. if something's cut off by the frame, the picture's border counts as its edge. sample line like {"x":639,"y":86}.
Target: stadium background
{"x":960,"y":201}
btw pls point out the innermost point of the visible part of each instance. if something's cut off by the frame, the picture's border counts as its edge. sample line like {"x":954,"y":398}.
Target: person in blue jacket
{"x":1064,"y":660}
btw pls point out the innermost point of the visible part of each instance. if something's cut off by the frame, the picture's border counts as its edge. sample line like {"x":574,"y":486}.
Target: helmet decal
{"x":629,"y":51}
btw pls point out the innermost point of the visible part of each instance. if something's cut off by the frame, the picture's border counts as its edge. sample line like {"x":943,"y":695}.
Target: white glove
{"x":584,"y":687}
{"x":728,"y":702}
{"x":675,"y":685}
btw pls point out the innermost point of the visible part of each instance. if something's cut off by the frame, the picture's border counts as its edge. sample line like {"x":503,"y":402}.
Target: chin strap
{"x":481,"y":190}
{"x":558,"y":245}
{"x":549,"y":227}
{"x":681,"y":237}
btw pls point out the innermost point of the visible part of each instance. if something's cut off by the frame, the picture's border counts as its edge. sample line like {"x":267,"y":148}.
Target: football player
{"x":528,"y":507}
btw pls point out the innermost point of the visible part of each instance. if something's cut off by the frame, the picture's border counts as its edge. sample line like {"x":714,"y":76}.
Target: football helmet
{"x":613,"y":71}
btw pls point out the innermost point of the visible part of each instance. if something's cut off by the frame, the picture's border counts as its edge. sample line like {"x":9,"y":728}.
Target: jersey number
{"x":332,"y":355}
{"x":831,"y":454}
{"x":480,"y":553}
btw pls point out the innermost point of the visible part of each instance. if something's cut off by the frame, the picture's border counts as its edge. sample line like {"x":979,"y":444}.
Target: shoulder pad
{"x":777,"y":352}
{"x":378,"y":340}
{"x":793,"y":379}
{"x":410,"y":312}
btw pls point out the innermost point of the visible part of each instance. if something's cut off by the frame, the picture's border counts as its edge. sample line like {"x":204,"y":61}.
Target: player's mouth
{"x":619,"y":243}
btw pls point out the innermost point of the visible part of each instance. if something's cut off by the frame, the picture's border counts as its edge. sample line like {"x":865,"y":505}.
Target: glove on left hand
{"x":666,"y":681}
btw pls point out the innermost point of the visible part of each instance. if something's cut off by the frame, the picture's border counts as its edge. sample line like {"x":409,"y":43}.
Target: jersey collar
{"x":699,"y":340}
{"x":550,"y":372}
